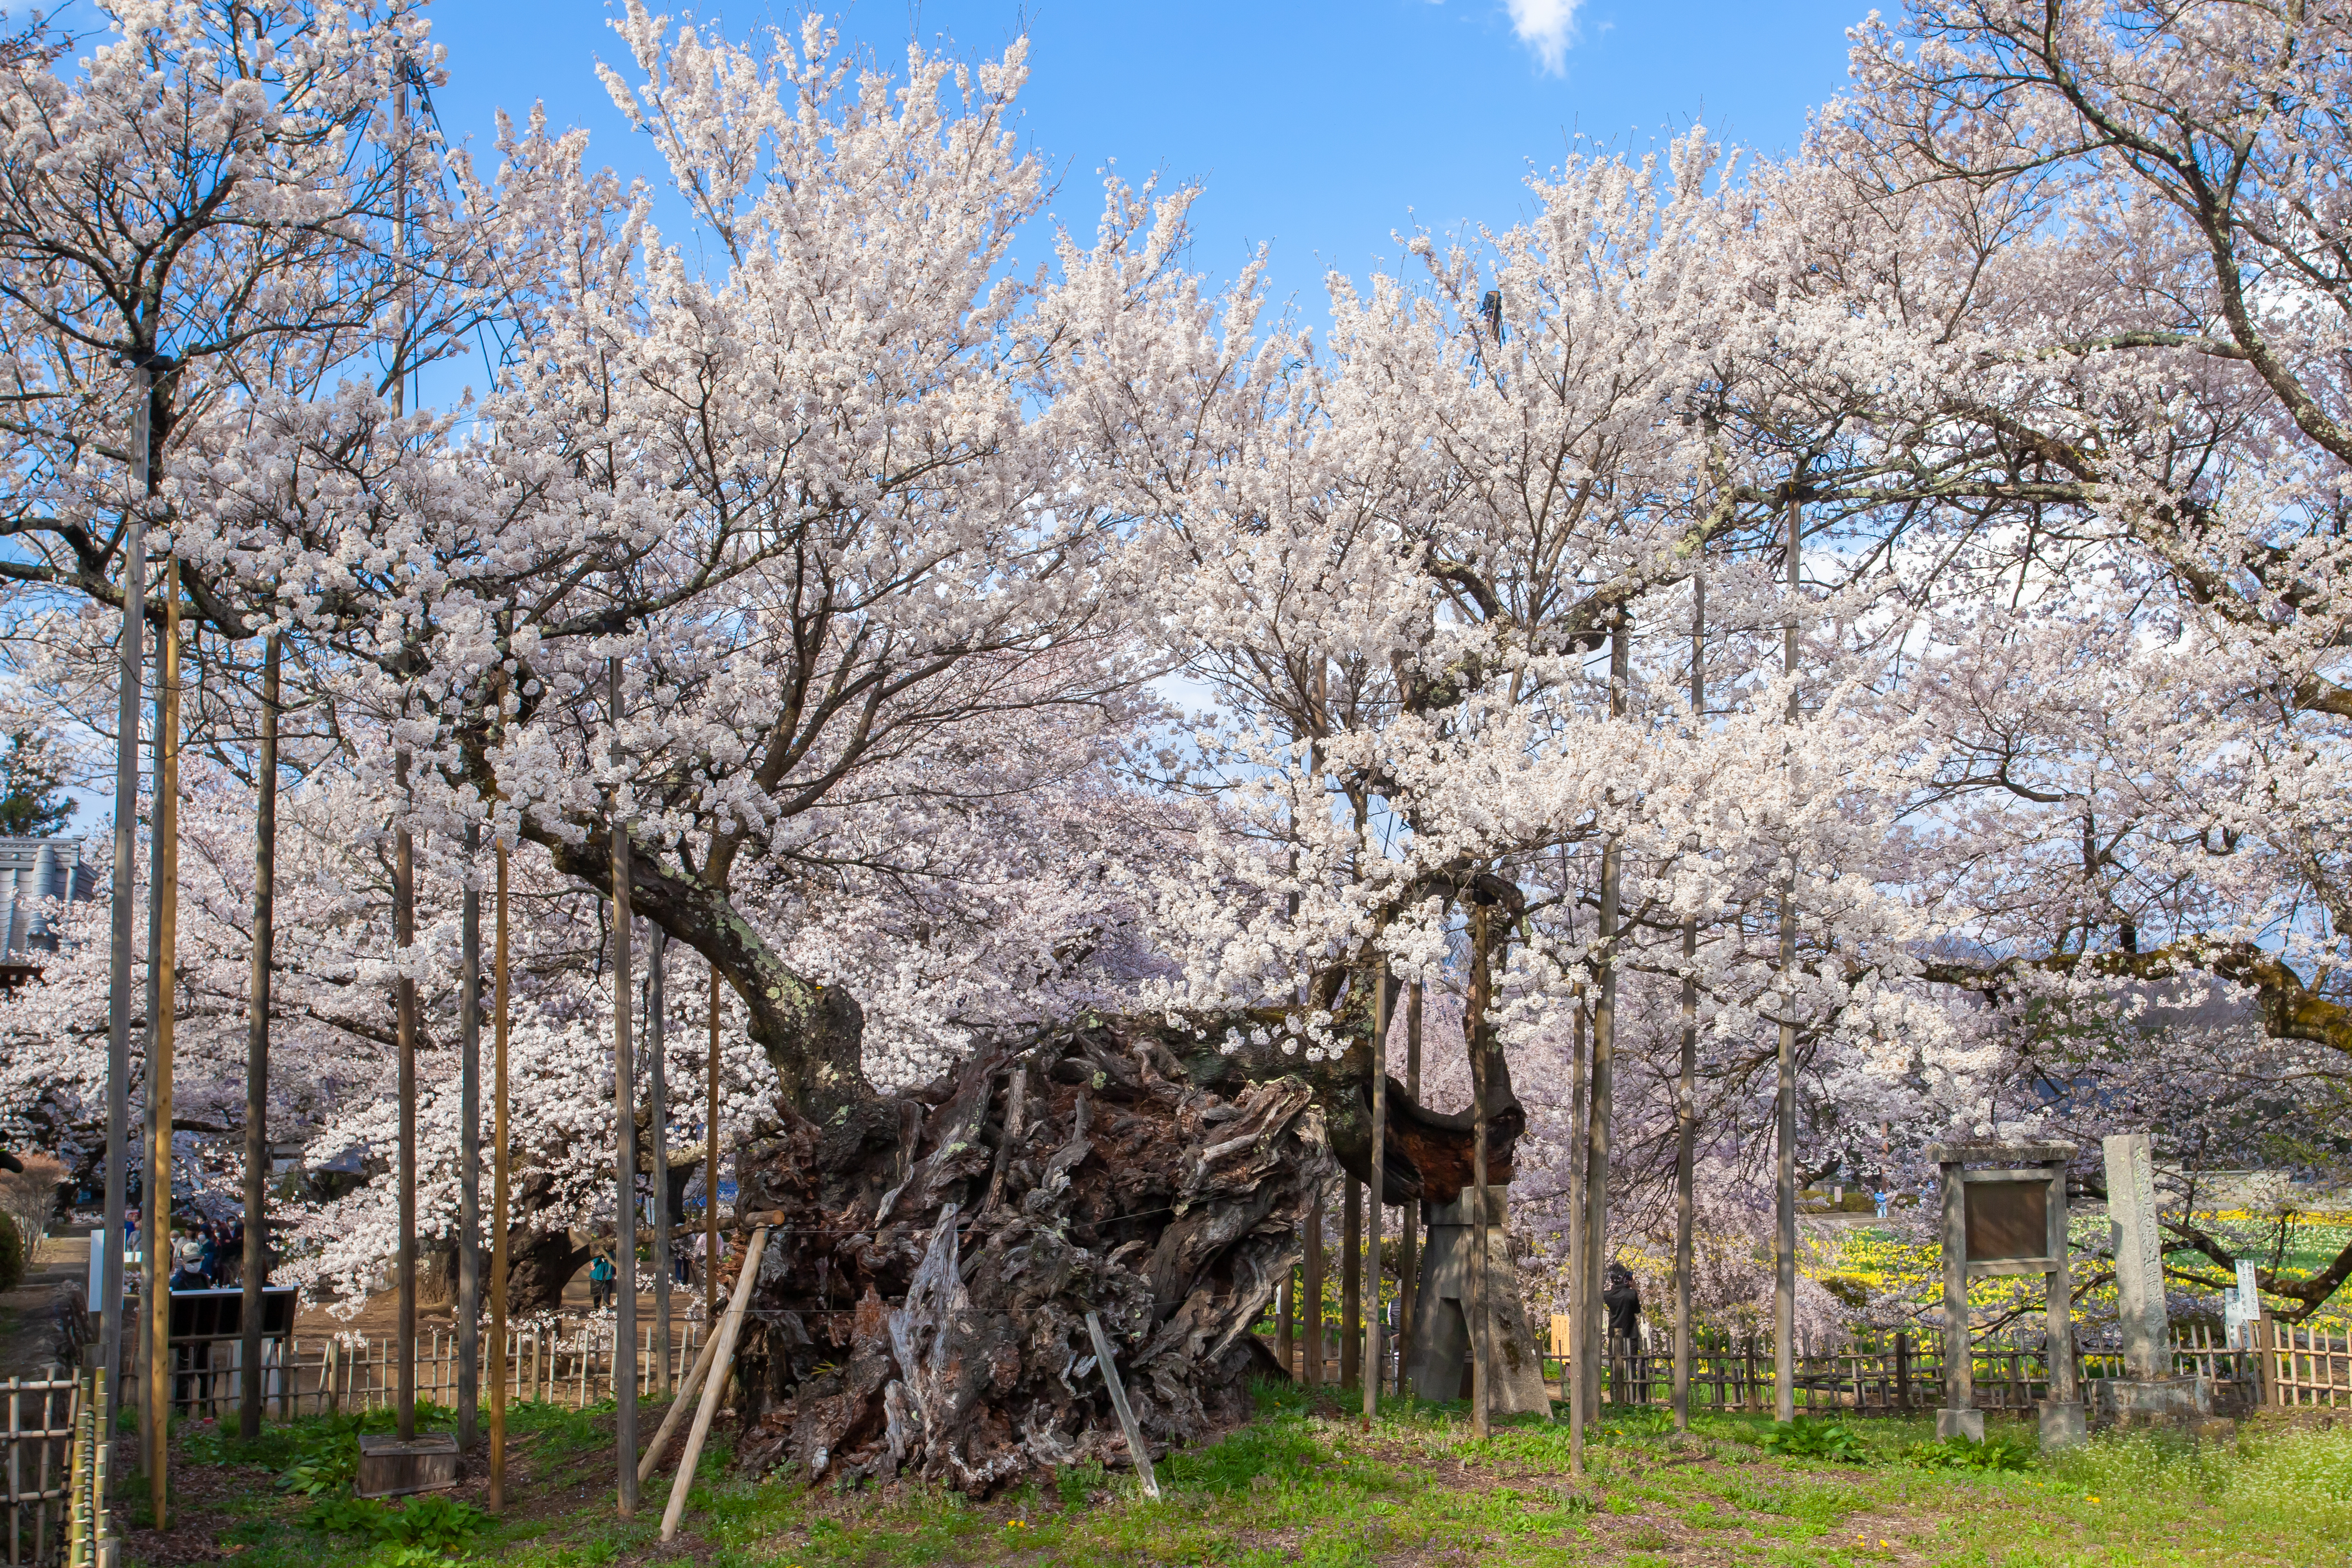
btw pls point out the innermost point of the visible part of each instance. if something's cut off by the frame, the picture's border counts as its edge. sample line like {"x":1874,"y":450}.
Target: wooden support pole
{"x":678,"y":1404}
{"x":1594,"y":1333}
{"x":1409,"y":1251}
{"x":256,"y":1052}
{"x":659,"y":1110}
{"x":1686,"y":1080}
{"x":1576,"y":1378}
{"x":1481,"y":1320}
{"x":403,"y":879}
{"x":1784,"y":1118}
{"x":714,"y":1384}
{"x":123,"y":902}
{"x":404,"y":937}
{"x":1310,"y":1316}
{"x":1351,"y":1280}
{"x":164,"y":960}
{"x":1285,"y":1343}
{"x":1135,"y":1444}
{"x":1379,"y":1185}
{"x":710,"y":1169}
{"x":468,"y":1392}
{"x":497,"y":1499}
{"x":624,"y":1131}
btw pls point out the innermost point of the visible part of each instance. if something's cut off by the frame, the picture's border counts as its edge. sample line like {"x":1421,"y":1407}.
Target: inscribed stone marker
{"x":2139,"y":1255}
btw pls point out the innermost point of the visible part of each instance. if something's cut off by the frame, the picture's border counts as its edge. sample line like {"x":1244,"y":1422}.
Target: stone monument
{"x":2148,"y":1392}
{"x":1442,"y":1332}
{"x":2005,"y":1213}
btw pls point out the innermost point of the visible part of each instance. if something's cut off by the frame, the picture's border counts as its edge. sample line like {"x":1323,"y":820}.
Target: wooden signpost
{"x":2005,"y":1213}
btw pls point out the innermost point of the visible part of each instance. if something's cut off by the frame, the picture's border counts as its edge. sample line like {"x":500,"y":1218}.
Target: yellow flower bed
{"x":1915,"y":1272}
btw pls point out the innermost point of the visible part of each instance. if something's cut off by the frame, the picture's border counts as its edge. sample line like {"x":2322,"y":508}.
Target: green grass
{"x":1302,"y":1485}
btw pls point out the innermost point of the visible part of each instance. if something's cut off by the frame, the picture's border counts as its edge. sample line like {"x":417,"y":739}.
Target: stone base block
{"x":2150,"y":1401}
{"x":1969,"y":1424}
{"x":2062,"y":1424}
{"x":390,"y":1468}
{"x":1440,"y":1346}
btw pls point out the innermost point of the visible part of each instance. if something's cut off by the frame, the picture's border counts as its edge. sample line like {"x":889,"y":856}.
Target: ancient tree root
{"x":922,"y":1308}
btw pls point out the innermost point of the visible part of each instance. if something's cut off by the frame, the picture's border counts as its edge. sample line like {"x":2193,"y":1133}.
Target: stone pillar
{"x":1442,"y":1336}
{"x":2139,"y":1256}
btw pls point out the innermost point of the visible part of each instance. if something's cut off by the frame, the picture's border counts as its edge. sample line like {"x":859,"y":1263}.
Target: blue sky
{"x":1318,"y":127}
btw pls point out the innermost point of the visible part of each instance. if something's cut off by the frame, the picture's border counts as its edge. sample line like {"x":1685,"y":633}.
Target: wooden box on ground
{"x":391,"y":1467}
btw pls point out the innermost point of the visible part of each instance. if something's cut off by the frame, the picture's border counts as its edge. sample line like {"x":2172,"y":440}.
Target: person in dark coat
{"x":1622,"y":1300}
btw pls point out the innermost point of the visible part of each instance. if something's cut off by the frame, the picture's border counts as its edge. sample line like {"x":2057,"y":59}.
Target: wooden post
{"x":257,"y":1051}
{"x":1594,"y":1337}
{"x":497,"y":1498}
{"x":714,"y":1384}
{"x":164,"y":961}
{"x":404,"y":937}
{"x":2062,"y":1389}
{"x":677,"y":1408}
{"x":1351,"y":1279}
{"x":1577,"y":1377}
{"x":1310,"y":1317}
{"x":659,"y":1112}
{"x":1686,"y":1080}
{"x":1784,"y":1120}
{"x":1379,"y":1185}
{"x":1901,"y":1369}
{"x":123,"y":901}
{"x":1481,"y":1322}
{"x":467,"y":1349}
{"x":1409,"y":1237}
{"x":710,"y":1169}
{"x":1959,"y":1373}
{"x":1285,"y":1343}
{"x":625,"y":1133}
{"x":1135,"y":1444}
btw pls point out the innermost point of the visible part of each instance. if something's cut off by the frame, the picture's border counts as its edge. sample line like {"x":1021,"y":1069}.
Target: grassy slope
{"x":1301,"y":1485}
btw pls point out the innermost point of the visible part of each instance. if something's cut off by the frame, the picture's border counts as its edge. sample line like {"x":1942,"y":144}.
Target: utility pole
{"x":1784,"y":1196}
{"x":256,"y":1053}
{"x":124,"y":900}
{"x":624,"y":1116}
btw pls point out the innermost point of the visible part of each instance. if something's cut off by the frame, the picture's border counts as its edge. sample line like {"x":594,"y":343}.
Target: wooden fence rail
{"x":2305,"y":1367}
{"x":334,"y":1373}
{"x":2285,"y":1367}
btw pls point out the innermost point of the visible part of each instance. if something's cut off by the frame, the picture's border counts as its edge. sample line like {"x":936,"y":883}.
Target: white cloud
{"x":1546,"y":26}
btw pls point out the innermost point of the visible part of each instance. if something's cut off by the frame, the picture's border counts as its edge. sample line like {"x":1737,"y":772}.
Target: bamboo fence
{"x":36,"y":1433}
{"x":331,"y":1375}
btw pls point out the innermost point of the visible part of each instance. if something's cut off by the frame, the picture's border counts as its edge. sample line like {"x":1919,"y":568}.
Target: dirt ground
{"x":34,"y":1317}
